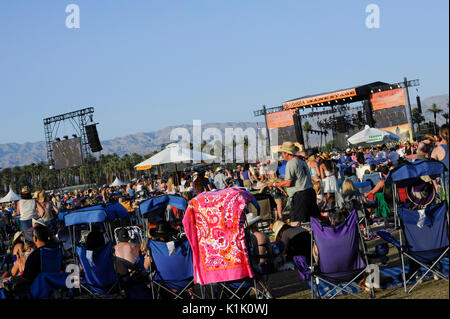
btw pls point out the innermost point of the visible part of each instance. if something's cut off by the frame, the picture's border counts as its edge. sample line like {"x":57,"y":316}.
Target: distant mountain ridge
{"x":14,"y":154}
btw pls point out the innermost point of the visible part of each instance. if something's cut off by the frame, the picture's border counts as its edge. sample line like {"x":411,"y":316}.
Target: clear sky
{"x":147,"y":64}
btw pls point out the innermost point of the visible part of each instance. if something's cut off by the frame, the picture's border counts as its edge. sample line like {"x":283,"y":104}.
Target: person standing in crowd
{"x":220,"y":181}
{"x":328,"y":172}
{"x":368,"y":154}
{"x":360,"y":158}
{"x":298,"y":185}
{"x":393,"y":155}
{"x":440,"y":153}
{"x":382,"y":152}
{"x":425,"y":148}
{"x":27,"y":209}
{"x":200,"y":183}
{"x":50,"y":211}
{"x":247,"y":176}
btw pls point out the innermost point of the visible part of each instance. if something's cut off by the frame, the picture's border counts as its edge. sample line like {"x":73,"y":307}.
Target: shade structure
{"x":372,"y":135}
{"x":10,"y":197}
{"x":117,"y":182}
{"x":175,"y":153}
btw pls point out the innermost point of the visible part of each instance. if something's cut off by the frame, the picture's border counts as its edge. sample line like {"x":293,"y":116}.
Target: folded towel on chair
{"x":214,"y":225}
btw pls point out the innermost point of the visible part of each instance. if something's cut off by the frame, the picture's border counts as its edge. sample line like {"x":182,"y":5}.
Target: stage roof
{"x":344,"y":96}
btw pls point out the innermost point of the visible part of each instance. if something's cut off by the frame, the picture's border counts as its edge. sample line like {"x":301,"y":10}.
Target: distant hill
{"x":13,"y":154}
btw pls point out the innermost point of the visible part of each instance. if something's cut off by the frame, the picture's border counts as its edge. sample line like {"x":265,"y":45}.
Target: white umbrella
{"x":10,"y":197}
{"x":117,"y":182}
{"x":174,"y":153}
{"x":373,"y":135}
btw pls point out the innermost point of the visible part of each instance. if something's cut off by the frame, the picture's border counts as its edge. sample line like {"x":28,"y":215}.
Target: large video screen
{"x":67,"y":153}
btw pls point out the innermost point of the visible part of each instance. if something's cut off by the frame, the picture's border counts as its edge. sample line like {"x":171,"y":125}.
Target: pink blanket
{"x":214,"y":225}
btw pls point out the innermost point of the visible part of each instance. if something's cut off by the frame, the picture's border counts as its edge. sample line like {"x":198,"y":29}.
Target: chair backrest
{"x":51,"y":259}
{"x":360,"y":171}
{"x":99,"y":270}
{"x":266,"y":206}
{"x":353,"y":178}
{"x":374,"y":177}
{"x":173,"y":266}
{"x":425,"y":230}
{"x":338,"y":246}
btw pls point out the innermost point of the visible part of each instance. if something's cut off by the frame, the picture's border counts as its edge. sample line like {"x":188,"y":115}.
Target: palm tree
{"x":445,"y":115}
{"x":307,"y":128}
{"x":417,"y":117}
{"x":435,"y":110}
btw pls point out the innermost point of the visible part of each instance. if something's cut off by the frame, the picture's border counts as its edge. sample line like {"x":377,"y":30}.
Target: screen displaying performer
{"x":67,"y":153}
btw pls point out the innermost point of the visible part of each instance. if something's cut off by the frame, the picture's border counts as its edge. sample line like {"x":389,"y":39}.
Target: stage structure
{"x":71,"y":152}
{"x":377,"y":104}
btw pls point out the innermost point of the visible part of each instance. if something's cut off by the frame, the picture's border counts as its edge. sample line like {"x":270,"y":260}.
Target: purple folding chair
{"x":339,"y":259}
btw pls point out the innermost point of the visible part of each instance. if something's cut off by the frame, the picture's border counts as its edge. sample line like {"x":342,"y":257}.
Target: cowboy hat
{"x":38,"y":221}
{"x":259,"y":185}
{"x":290,"y":148}
{"x":25,"y":190}
{"x":277,"y":227}
{"x":220,"y":168}
{"x":252,"y":218}
{"x":17,"y":235}
{"x":162,"y":229}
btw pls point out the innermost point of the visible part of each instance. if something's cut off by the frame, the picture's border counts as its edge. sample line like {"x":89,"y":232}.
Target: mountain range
{"x":14,"y":154}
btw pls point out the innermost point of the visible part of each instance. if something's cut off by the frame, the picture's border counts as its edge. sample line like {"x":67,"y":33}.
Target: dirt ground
{"x":288,"y":284}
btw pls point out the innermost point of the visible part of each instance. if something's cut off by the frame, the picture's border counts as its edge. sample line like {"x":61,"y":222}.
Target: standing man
{"x":298,"y":185}
{"x":220,"y":179}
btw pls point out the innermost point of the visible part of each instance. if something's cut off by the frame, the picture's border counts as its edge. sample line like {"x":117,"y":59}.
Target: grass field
{"x":288,"y":284}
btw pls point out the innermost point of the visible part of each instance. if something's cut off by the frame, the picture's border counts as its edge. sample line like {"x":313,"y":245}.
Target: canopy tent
{"x":10,"y":197}
{"x":174,"y":153}
{"x":372,"y":135}
{"x":117,"y":182}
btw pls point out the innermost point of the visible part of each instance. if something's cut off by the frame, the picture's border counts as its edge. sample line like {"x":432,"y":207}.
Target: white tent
{"x":373,"y":135}
{"x":10,"y":197}
{"x":174,"y":153}
{"x":117,"y":182}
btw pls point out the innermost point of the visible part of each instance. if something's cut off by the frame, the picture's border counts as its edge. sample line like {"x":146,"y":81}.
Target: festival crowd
{"x":302,"y":183}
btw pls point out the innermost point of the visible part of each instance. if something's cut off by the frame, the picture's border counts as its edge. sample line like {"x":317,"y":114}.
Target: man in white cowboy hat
{"x":220,"y":179}
{"x":298,"y":185}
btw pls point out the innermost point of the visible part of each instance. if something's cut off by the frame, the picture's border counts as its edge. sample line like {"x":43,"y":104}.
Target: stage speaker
{"x":92,"y":136}
{"x":341,"y":125}
{"x":368,"y":113}
{"x":419,"y":104}
{"x":299,"y":129}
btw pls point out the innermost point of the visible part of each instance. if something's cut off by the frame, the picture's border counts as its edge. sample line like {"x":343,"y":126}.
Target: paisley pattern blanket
{"x":214,"y":225}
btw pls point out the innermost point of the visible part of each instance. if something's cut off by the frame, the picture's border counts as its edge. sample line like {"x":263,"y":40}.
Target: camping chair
{"x":100,"y":277}
{"x":266,"y":209}
{"x":339,"y":258}
{"x":425,"y":241}
{"x":155,"y":209}
{"x":173,"y":271}
{"x":423,"y":230}
{"x":51,"y":282}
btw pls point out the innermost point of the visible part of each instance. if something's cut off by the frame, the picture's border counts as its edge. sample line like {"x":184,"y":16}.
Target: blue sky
{"x":146,"y":64}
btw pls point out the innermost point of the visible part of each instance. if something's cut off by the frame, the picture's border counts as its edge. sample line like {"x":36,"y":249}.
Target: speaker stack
{"x":92,"y":136}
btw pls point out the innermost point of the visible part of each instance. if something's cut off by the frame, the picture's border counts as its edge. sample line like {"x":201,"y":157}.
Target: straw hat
{"x":259,"y":185}
{"x":277,"y":227}
{"x":252,"y":218}
{"x":38,"y":221}
{"x":17,"y":235}
{"x":290,"y":148}
{"x":25,"y":190}
{"x":220,"y":168}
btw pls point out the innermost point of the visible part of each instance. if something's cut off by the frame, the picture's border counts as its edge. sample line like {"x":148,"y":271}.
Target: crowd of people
{"x":302,"y":183}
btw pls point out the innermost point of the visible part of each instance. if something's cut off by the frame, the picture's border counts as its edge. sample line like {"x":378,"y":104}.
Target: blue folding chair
{"x":174,"y":270}
{"x":100,"y":277}
{"x":52,"y":278}
{"x":423,"y":238}
{"x":425,"y":241}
